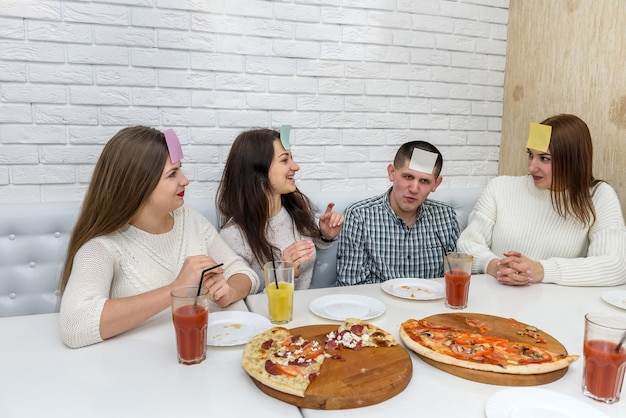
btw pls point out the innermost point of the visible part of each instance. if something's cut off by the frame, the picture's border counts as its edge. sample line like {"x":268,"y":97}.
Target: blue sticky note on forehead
{"x":285,"y":130}
{"x":173,"y":146}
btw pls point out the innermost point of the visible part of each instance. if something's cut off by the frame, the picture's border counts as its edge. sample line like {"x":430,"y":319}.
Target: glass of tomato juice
{"x":190,"y":313}
{"x":605,"y":358}
{"x":279,"y":286}
{"x":457,"y":270}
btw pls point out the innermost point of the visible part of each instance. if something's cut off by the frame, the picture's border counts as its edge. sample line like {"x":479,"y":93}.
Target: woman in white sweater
{"x":556,"y":225}
{"x":134,"y":242}
{"x":263,"y":214}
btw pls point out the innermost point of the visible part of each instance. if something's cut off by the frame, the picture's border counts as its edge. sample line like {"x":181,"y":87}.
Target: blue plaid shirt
{"x":375,"y":245}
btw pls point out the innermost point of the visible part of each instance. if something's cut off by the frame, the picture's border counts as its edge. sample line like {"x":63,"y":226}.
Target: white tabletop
{"x":135,"y":374}
{"x":558,"y":310}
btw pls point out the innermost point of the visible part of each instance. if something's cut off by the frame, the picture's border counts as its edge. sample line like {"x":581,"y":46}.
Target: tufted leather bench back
{"x":34,"y":237}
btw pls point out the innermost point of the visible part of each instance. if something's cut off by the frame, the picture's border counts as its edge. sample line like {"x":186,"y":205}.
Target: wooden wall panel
{"x":567,"y":56}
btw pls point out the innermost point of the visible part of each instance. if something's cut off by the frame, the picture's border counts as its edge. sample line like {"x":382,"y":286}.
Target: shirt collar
{"x":394,"y":215}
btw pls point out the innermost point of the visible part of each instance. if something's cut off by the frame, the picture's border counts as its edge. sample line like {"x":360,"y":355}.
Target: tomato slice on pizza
{"x":479,"y":351}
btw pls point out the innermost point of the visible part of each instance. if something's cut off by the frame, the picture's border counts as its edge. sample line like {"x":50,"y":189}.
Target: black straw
{"x":204,"y":272}
{"x":621,"y":342}
{"x":443,"y":247}
{"x":274,"y":270}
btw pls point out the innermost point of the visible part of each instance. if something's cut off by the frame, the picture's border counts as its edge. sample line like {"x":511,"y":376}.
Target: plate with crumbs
{"x":227,"y":328}
{"x":414,"y":289}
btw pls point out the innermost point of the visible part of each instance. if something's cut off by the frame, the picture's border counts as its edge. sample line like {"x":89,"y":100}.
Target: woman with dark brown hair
{"x":134,"y":242}
{"x":263,"y":214}
{"x":558,"y":224}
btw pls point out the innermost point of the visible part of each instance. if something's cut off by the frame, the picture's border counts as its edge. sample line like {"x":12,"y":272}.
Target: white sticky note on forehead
{"x":423,"y":161}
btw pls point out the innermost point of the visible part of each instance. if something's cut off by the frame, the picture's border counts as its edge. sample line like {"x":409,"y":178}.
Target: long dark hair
{"x":127,"y":172}
{"x":244,"y":194}
{"x":571,"y":151}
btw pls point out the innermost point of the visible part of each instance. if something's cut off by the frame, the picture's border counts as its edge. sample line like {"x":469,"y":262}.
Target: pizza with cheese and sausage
{"x":355,"y":334}
{"x":289,"y":363}
{"x":479,"y":351}
{"x":283,"y":361}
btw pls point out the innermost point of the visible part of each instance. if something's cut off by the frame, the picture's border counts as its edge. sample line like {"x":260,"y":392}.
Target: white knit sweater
{"x":514,"y":215}
{"x":281,"y":233}
{"x":132,"y":261}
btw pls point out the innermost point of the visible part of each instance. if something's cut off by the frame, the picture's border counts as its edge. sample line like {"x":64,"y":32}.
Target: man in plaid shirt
{"x":399,"y":233}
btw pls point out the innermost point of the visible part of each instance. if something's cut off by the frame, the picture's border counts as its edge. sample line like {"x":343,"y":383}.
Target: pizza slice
{"x":479,"y":351}
{"x":282,"y":361}
{"x":355,"y":334}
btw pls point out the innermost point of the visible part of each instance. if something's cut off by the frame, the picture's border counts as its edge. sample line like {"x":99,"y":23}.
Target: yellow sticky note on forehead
{"x":539,"y":137}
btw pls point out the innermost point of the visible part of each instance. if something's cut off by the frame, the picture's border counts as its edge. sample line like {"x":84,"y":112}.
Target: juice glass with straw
{"x":605,"y":356}
{"x":190,"y":314}
{"x":279,"y":286}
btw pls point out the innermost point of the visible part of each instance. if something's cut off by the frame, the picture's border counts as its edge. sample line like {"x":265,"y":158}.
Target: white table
{"x":135,"y":374}
{"x":558,"y":310}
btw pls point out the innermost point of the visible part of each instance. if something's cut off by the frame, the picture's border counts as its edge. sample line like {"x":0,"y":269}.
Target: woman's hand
{"x":192,"y":269}
{"x":331,"y":223}
{"x":298,"y":253}
{"x":516,"y":269}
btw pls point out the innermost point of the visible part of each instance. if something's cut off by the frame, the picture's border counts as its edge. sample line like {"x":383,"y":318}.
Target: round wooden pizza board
{"x":499,"y":327}
{"x":360,"y":378}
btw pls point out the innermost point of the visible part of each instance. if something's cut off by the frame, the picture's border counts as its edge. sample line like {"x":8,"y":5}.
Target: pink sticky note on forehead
{"x":423,"y":161}
{"x":173,"y":145}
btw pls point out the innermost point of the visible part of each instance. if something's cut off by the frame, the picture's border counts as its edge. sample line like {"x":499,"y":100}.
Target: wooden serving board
{"x":499,"y":327}
{"x":361,"y":378}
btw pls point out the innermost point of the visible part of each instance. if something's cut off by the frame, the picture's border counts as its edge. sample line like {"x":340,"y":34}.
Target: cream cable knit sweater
{"x":281,"y":232}
{"x":132,"y":261}
{"x":514,"y":215}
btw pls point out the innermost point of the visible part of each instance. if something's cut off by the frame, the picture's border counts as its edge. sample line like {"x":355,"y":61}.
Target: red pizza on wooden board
{"x":487,"y":349}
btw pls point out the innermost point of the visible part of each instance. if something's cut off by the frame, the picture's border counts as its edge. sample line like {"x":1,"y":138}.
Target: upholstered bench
{"x":34,"y":236}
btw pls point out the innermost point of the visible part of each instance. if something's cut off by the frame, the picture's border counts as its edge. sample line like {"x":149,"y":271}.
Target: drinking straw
{"x":621,"y":342}
{"x":443,"y":247}
{"x":204,"y":272}
{"x":274,"y":270}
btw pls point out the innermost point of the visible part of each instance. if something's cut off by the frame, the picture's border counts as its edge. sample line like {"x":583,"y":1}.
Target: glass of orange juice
{"x":279,"y":286}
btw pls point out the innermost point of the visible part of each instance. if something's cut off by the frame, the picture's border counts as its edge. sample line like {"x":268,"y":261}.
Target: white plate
{"x":538,"y":403}
{"x":234,"y":327}
{"x":340,"y":307}
{"x":415,"y":289}
{"x":615,"y":298}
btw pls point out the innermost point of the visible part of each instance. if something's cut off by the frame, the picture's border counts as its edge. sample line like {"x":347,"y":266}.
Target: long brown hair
{"x":125,"y":175}
{"x":244,"y":194}
{"x":571,"y":151}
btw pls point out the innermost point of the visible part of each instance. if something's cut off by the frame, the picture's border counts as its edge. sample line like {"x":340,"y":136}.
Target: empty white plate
{"x":414,"y":289}
{"x":615,"y":297}
{"x":228,"y":328}
{"x":340,"y":307}
{"x":538,"y":403}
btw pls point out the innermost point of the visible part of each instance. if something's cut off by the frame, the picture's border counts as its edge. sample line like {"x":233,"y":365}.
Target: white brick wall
{"x":354,"y":78}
